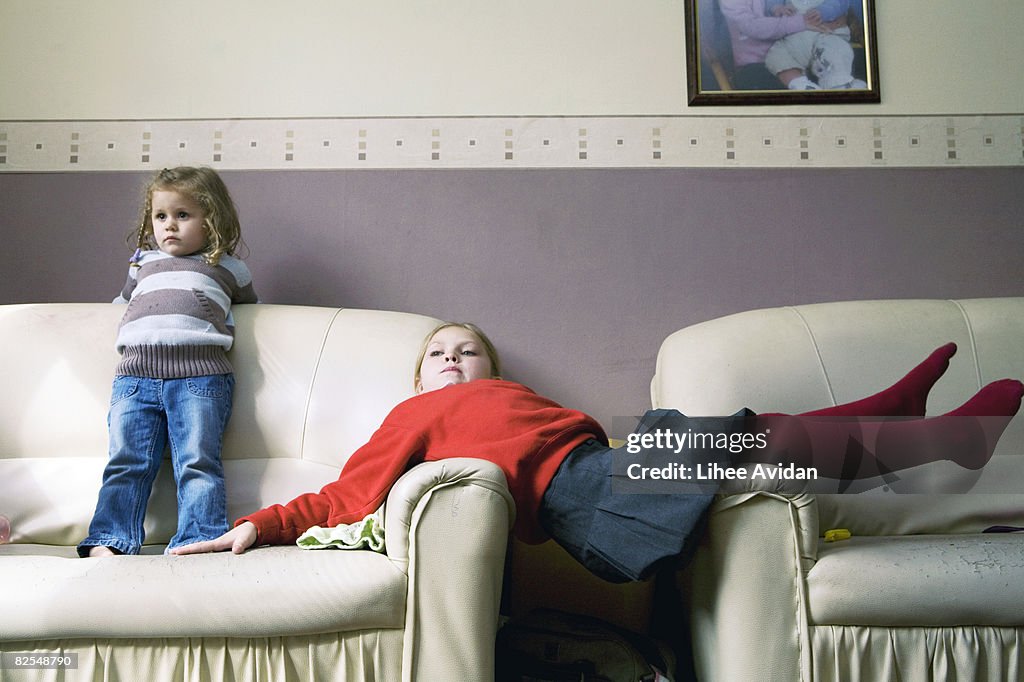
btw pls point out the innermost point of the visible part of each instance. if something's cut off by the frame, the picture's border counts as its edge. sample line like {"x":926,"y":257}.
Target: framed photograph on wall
{"x":781,"y":52}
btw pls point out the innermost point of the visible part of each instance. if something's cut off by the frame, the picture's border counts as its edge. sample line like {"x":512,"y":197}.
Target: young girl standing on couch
{"x":174,"y":383}
{"x":556,"y":460}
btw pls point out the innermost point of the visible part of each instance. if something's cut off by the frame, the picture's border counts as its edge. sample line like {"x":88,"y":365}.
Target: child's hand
{"x":238,"y":539}
{"x":814,"y":22}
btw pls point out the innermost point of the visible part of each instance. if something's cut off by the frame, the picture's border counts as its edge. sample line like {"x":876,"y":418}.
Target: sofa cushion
{"x":36,"y":483}
{"x":919,"y":580}
{"x":49,"y":593}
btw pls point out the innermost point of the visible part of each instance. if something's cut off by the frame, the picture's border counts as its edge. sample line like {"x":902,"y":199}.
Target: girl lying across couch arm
{"x":557,"y":460}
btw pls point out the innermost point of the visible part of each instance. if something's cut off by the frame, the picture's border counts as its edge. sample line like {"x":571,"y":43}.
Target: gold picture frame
{"x":753,"y":52}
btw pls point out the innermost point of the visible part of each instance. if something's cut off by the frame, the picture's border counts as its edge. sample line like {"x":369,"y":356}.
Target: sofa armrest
{"x":750,"y":570}
{"x":803,"y":507}
{"x":446,"y":524}
{"x":416,"y":486}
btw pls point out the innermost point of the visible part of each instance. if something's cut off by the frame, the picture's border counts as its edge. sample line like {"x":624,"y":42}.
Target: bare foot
{"x":101,"y":551}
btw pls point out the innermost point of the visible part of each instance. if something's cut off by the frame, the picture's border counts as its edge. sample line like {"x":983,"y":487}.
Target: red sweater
{"x":525,"y":434}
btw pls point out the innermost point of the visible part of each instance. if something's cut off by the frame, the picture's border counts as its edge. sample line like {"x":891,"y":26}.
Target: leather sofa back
{"x":312,"y":384}
{"x":800,"y":358}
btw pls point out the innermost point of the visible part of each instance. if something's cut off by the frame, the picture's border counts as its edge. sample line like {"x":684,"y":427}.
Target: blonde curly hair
{"x":205,"y":187}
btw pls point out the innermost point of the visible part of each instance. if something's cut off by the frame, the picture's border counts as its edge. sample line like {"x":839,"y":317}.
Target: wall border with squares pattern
{"x":515,"y":142}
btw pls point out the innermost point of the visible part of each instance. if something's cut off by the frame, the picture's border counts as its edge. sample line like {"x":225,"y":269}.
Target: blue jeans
{"x":145,"y":416}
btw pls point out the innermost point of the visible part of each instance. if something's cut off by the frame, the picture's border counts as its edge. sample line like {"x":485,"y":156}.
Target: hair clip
{"x":136,"y":257}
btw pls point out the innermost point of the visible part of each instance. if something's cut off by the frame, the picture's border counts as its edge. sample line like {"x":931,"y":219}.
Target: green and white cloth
{"x":365,"y":534}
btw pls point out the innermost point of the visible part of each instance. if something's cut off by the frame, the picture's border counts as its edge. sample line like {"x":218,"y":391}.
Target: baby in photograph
{"x":814,"y":60}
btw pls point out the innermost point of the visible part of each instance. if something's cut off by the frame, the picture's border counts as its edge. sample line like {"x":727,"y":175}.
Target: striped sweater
{"x":178,"y":322}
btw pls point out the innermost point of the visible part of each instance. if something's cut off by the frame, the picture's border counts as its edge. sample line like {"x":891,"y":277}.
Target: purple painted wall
{"x":577,"y":274}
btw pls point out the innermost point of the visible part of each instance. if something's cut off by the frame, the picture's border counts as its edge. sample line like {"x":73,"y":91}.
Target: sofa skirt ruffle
{"x":913,"y":654}
{"x":364,"y":656}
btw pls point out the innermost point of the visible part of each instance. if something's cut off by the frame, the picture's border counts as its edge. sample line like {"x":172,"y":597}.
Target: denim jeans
{"x":145,"y":416}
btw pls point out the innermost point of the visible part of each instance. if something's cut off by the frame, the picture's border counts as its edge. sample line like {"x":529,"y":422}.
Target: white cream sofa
{"x":917,"y":593}
{"x":312,"y":384}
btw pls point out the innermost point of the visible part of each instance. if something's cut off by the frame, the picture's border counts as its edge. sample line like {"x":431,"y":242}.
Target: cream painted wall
{"x":196,"y":59}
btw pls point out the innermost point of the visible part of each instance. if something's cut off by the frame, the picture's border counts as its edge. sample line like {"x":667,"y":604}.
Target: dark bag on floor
{"x":553,"y":646}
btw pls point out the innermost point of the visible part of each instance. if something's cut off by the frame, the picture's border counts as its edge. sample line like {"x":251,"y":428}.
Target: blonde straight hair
{"x":489,"y":349}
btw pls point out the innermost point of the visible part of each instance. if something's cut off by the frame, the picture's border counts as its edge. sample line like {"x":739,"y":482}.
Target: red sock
{"x":967,"y":435}
{"x":905,"y":398}
{"x":999,"y":399}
